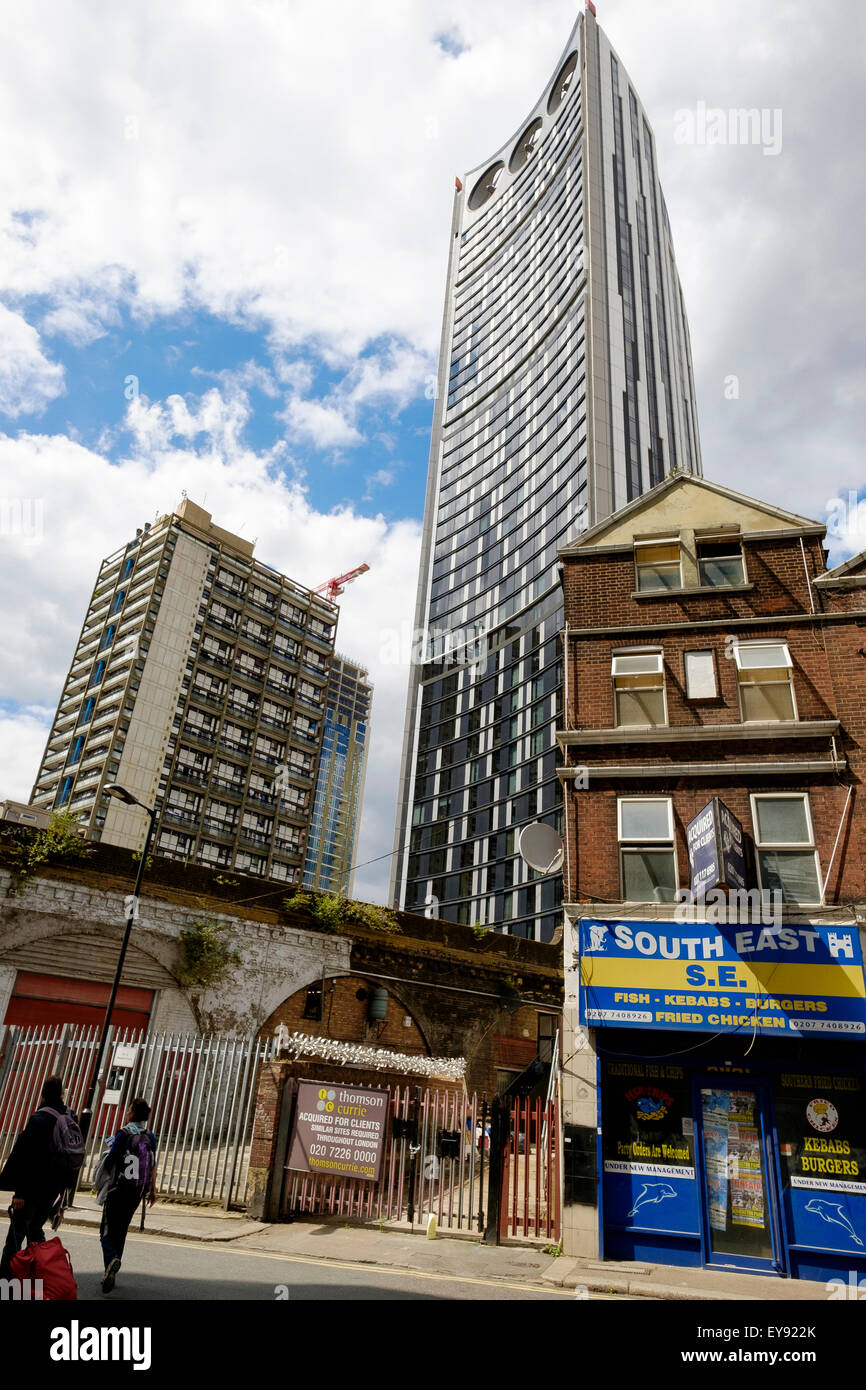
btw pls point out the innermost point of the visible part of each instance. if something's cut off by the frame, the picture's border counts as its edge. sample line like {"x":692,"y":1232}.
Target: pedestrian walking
{"x":44,"y":1162}
{"x":129,"y":1171}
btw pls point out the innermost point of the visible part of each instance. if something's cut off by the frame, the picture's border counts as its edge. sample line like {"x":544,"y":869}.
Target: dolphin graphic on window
{"x":832,"y":1212}
{"x":651,"y":1193}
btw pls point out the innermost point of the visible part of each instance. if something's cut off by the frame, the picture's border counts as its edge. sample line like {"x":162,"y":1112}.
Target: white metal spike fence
{"x":201,"y":1091}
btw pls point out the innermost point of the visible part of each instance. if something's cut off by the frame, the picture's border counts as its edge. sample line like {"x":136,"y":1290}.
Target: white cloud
{"x":28,"y":380}
{"x":323,"y":425}
{"x":383,"y":477}
{"x":22,"y":737}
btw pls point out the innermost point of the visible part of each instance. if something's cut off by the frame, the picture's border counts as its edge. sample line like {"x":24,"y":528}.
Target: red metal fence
{"x":441,"y":1158}
{"x":529,"y":1205}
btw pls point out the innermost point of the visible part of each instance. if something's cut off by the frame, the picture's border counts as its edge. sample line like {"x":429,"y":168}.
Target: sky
{"x":223,"y":238}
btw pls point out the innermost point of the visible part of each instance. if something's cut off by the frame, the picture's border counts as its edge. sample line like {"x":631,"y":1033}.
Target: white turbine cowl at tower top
{"x":541,"y":848}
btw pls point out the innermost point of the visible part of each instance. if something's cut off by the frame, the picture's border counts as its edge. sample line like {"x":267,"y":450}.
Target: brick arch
{"x":344,"y":1016}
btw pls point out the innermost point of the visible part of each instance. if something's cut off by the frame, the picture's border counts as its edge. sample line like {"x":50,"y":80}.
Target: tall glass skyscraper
{"x":565,"y":390}
{"x":333,"y":838}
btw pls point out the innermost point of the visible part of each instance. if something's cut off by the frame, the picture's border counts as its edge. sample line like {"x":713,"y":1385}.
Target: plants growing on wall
{"x":60,"y":842}
{"x":339,"y":914}
{"x":205,"y":957}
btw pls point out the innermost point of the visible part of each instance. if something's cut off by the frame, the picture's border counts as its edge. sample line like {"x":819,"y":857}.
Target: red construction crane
{"x":332,"y":588}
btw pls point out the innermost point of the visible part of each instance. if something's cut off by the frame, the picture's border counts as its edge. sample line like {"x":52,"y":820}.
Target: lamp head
{"x":121,"y":794}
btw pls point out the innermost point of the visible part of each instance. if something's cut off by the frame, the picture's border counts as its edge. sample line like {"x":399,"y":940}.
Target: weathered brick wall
{"x":599,"y":589}
{"x":846,"y":645}
{"x":274,"y":963}
{"x":345,"y":1017}
{"x":829,"y":679}
{"x":456,"y":987}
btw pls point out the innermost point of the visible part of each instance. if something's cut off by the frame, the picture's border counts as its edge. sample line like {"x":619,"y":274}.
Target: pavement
{"x":397,"y":1247}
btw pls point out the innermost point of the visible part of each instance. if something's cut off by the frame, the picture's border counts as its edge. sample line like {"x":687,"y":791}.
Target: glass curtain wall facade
{"x":335,"y":823}
{"x":565,"y":390}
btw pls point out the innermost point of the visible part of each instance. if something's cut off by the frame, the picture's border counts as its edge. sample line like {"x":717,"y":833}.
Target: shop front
{"x":732,"y":1082}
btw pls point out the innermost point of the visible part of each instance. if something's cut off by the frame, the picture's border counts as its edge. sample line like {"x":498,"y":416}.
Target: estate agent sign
{"x":339,"y":1130}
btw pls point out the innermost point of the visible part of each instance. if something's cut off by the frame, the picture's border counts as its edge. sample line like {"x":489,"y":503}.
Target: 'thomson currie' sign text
{"x":338,"y":1130}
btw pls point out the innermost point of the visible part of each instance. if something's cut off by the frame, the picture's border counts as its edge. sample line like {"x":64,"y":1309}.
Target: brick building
{"x":712,"y":757}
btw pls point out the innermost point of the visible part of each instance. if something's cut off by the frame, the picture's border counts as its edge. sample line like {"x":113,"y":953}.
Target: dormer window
{"x":720,"y":562}
{"x":658,"y":566}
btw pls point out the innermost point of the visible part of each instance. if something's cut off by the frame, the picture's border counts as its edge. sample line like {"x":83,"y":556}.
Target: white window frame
{"x":801,"y":846}
{"x":649,"y":542}
{"x":736,"y":543}
{"x":786,"y":665}
{"x":666,"y":842}
{"x":655,"y":653}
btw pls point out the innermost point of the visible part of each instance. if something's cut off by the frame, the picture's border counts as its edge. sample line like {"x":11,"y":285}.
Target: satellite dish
{"x":541,"y":848}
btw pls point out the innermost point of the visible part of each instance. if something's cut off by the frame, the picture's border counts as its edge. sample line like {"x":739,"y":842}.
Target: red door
{"x":50,"y":999}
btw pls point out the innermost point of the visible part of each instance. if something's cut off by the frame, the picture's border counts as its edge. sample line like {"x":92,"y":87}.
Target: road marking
{"x":363,"y":1267}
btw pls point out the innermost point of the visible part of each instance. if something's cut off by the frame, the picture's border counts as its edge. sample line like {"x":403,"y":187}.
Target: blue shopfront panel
{"x":821,"y":1130}
{"x":650,"y":1194}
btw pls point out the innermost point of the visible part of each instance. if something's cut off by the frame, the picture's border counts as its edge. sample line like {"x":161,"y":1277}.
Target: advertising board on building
{"x":338,"y":1131}
{"x":716,"y":852}
{"x":798,"y":981}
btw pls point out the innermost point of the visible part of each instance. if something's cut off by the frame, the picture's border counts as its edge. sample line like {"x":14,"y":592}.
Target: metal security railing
{"x":201,"y":1090}
{"x":417,"y":1179}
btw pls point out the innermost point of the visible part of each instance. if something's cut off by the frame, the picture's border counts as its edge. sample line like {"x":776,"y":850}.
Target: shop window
{"x":647,"y":852}
{"x":765,"y":676}
{"x":721,"y":562}
{"x":639,"y":689}
{"x":658,"y":566}
{"x":785,"y":847}
{"x":700,"y":672}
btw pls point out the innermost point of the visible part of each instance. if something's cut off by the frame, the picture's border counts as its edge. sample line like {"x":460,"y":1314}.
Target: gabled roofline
{"x":845,"y":568}
{"x":646,"y":499}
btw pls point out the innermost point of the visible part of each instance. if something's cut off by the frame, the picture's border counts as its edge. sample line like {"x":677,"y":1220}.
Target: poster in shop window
{"x":648,"y":1147}
{"x":744,"y":1159}
{"x":732,"y":1155}
{"x":716,"y":1107}
{"x":821,"y":1123}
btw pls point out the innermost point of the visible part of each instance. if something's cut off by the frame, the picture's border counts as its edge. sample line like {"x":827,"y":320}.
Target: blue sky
{"x":247,"y":209}
{"x":383,"y":471}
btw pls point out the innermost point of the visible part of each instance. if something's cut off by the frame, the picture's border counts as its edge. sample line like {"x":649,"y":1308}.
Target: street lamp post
{"x":121,"y":794}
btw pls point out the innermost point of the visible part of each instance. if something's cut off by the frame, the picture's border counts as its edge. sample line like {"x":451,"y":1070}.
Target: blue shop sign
{"x":801,"y":981}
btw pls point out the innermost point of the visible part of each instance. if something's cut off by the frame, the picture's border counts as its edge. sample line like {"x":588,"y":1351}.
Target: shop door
{"x":740,"y":1190}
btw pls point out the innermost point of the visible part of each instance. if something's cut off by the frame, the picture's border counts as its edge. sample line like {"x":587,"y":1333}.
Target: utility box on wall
{"x":580,"y":1164}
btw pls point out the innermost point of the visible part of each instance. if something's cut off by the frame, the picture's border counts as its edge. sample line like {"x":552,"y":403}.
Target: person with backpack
{"x":126,"y":1177}
{"x":45,"y":1161}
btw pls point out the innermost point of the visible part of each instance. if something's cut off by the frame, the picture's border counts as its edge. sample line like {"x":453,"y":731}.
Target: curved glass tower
{"x":565,"y":390}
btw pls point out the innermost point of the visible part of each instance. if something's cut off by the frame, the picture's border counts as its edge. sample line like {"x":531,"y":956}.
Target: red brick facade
{"x":344,"y":1016}
{"x":787,"y":597}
